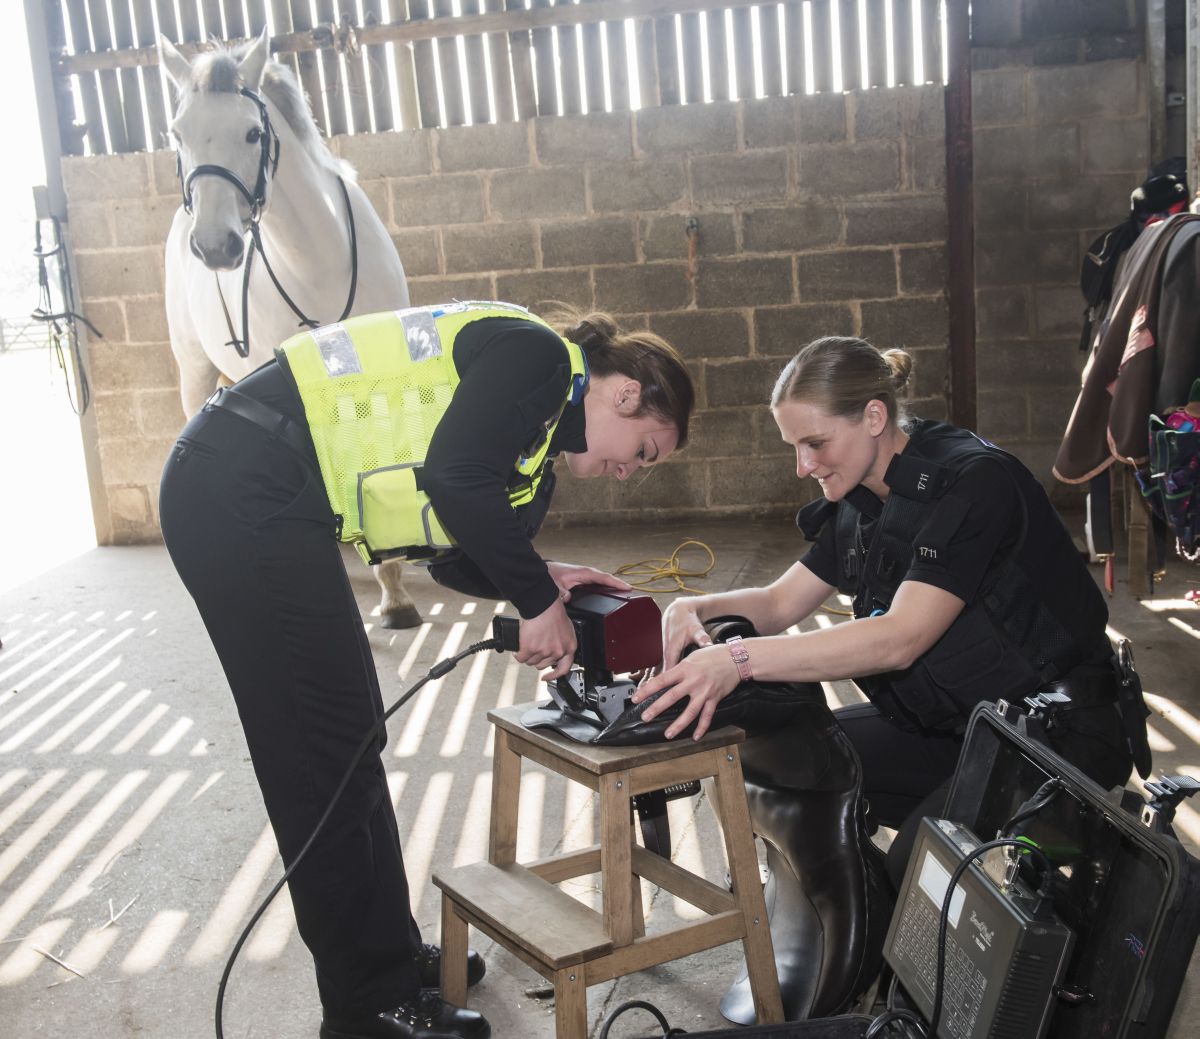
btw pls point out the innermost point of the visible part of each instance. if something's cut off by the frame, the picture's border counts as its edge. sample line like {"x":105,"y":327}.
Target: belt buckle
{"x":214,"y":399}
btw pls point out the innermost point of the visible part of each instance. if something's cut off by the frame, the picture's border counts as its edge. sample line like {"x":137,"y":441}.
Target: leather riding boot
{"x":828,"y":899}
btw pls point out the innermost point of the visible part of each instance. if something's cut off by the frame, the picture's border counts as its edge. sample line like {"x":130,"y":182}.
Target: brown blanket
{"x":1149,"y":348}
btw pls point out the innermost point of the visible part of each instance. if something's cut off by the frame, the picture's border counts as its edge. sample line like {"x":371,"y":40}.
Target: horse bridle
{"x":268,"y":163}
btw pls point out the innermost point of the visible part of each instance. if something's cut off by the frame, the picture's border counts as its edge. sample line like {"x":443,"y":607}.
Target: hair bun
{"x":901,"y":365}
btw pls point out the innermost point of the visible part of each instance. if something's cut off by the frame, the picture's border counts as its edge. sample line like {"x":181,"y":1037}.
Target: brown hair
{"x":840,"y":374}
{"x":667,"y":390}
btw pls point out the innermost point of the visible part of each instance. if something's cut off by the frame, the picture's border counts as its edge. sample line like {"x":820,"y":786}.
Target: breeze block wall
{"x":812,"y":215}
{"x":1061,"y":139}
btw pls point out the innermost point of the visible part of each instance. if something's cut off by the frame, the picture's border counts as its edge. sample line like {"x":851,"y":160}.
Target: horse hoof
{"x":401,"y":617}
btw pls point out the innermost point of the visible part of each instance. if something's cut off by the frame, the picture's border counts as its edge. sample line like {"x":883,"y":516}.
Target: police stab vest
{"x":1004,"y":644}
{"x":374,"y":389}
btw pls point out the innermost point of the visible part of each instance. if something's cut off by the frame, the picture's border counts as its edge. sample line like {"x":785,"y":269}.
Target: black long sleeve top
{"x":513,"y":379}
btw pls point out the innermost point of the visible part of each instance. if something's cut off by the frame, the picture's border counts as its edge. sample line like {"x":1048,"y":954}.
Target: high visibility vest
{"x":374,"y":389}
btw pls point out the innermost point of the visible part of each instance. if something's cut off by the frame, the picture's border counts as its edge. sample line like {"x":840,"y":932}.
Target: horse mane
{"x":217,"y":72}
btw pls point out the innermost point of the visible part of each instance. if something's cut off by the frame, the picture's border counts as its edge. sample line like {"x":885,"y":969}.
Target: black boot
{"x":425,"y":1016}
{"x":429,"y":964}
{"x":828,"y":900}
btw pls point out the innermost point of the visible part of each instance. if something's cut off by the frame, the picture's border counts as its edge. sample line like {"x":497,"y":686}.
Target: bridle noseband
{"x":268,"y":163}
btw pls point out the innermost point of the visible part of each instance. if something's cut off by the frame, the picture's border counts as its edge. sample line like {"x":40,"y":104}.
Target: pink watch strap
{"x":741,"y":657}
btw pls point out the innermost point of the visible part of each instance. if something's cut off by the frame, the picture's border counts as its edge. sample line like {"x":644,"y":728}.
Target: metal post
{"x":1156,"y":65}
{"x":960,"y":211}
{"x":1193,"y":84}
{"x":45,"y":91}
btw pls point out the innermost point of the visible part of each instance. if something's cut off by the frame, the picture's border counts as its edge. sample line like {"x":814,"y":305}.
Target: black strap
{"x":277,"y":424}
{"x":242,"y":345}
{"x":305,"y":320}
{"x":1099,"y":510}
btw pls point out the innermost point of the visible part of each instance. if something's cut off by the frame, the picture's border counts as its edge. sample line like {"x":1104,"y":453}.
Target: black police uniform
{"x":963,"y":516}
{"x":249,"y":528}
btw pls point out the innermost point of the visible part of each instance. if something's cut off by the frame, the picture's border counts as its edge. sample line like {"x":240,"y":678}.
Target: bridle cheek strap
{"x":268,"y":163}
{"x":206,"y":169}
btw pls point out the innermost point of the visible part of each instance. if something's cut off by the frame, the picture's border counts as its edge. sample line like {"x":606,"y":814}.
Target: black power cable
{"x":1042,"y":796}
{"x":442,"y":667}
{"x":884,"y":1020}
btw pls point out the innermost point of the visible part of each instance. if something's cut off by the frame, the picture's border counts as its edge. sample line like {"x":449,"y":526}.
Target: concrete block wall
{"x":1061,"y":139}
{"x":815,"y":215}
{"x":118,"y":218}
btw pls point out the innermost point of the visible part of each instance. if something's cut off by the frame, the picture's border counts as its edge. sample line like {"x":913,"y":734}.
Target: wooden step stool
{"x":569,"y":943}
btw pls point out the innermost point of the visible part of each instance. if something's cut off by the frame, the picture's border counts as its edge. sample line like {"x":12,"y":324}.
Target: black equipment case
{"x":1125,"y":886}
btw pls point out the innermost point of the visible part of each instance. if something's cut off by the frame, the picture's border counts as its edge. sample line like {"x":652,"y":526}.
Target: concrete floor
{"x":133,"y":843}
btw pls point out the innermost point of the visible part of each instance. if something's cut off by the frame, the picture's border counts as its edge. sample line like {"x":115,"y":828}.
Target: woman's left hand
{"x":569,"y":575}
{"x":705,"y":676}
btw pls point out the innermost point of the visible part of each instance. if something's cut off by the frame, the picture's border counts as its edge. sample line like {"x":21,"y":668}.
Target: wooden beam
{"x":718,"y":54}
{"x":308,"y":39}
{"x":156,"y":107}
{"x":375,"y":64}
{"x":618,"y":66}
{"x":743,"y":54}
{"x":522,"y":67}
{"x":960,"y":209}
{"x":902,"y":40}
{"x":822,"y":47}
{"x":851,"y":55}
{"x":110,"y":91}
{"x":771,"y":32}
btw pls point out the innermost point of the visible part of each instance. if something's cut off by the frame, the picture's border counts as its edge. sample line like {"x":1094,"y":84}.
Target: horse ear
{"x":255,"y":61}
{"x":179,"y":69}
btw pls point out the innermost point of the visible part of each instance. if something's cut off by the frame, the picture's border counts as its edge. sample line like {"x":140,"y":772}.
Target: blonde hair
{"x":667,"y":390}
{"x":840,"y":374}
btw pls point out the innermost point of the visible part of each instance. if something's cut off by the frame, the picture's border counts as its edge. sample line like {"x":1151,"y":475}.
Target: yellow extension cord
{"x":669,"y":568}
{"x":652,"y":571}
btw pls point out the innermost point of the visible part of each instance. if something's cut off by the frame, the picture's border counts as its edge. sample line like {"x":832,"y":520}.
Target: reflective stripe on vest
{"x":374,"y":389}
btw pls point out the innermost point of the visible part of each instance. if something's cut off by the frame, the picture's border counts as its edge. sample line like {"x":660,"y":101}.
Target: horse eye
{"x":254,"y":135}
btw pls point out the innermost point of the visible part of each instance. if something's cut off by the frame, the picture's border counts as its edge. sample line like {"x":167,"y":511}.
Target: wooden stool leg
{"x":616,"y":857}
{"x":638,"y":917}
{"x":747,"y":887}
{"x":506,"y":796}
{"x":454,"y":955}
{"x":570,"y":1004}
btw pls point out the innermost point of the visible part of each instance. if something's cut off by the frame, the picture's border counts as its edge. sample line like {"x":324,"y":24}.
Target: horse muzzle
{"x":219,"y":252}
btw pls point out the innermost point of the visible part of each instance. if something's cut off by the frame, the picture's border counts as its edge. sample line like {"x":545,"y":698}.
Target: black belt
{"x":1087,"y":686}
{"x":278,"y":425}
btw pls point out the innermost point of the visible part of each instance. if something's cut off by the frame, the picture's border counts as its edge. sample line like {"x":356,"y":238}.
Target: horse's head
{"x":226,"y":145}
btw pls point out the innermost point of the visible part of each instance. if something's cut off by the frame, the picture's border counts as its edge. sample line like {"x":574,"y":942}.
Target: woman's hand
{"x":548,"y":640}
{"x":682,"y":627}
{"x":569,"y":575}
{"x":705,"y":677}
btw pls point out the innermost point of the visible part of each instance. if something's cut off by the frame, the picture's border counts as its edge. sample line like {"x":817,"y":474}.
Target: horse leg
{"x":196,"y":384}
{"x":396,"y":608}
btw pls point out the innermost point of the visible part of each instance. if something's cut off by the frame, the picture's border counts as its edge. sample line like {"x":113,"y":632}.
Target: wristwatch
{"x":741,"y":657}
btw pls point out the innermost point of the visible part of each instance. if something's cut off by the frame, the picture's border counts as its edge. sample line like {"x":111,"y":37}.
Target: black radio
{"x":1005,"y":951}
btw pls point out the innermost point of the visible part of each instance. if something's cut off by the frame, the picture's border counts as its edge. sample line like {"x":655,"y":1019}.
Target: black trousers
{"x":906,"y":775}
{"x":250,"y":530}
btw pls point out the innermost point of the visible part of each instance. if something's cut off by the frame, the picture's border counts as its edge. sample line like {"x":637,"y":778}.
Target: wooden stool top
{"x":602,"y":760}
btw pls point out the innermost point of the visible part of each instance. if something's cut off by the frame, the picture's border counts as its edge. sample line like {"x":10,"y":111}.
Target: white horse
{"x":252,"y":163}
